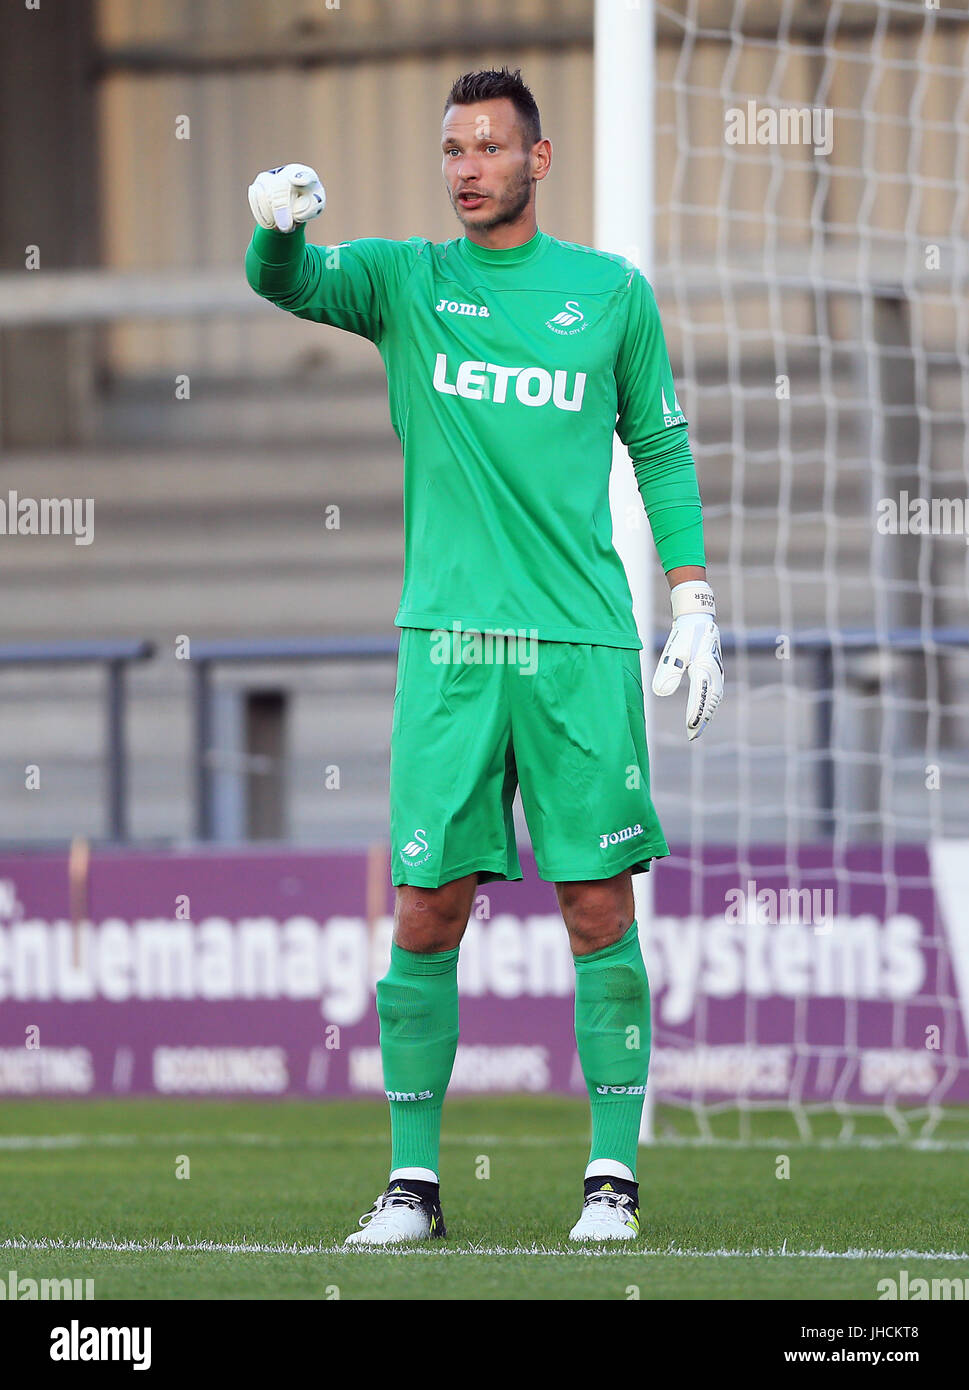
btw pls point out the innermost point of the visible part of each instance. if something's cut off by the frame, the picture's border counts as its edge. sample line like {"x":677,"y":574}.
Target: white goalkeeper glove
{"x":282,"y":197}
{"x":693,"y":646}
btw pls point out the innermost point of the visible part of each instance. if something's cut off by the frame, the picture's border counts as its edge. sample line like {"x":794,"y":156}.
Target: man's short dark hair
{"x":493,"y":83}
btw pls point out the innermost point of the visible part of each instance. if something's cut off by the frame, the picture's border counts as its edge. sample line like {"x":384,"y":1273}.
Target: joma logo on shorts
{"x":408,"y":1095}
{"x":484,"y":381}
{"x":621,"y":1090}
{"x":617,"y":836}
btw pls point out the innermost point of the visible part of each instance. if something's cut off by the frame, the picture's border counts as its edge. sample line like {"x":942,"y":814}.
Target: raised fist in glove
{"x":693,"y":646}
{"x":282,"y":197}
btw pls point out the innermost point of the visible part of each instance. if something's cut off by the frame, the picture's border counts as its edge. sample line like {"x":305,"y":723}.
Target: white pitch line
{"x":210,"y":1247}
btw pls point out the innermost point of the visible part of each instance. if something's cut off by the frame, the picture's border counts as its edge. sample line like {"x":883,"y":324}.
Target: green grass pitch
{"x":294,"y":1177}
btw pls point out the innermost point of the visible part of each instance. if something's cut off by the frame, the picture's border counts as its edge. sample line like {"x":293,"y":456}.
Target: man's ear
{"x":541,"y":158}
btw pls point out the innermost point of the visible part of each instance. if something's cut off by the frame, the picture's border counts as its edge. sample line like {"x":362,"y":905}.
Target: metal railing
{"x":207,"y":655}
{"x":819,"y":646}
{"x":114,"y":656}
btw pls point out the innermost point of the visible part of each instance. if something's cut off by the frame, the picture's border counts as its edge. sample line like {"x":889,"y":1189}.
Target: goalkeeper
{"x":511,"y":359}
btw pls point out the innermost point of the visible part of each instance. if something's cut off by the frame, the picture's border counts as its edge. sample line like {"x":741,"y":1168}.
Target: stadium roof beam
{"x":319,"y":44}
{"x":316,"y":47}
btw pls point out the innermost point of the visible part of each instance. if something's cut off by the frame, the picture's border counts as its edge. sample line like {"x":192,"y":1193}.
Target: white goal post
{"x":623,"y":224}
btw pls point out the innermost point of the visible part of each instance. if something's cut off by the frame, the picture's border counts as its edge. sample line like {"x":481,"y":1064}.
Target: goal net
{"x":809,"y":950}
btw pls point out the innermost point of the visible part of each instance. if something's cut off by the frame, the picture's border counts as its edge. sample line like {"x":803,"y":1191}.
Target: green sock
{"x":613,"y":1034}
{"x":417,"y":1004}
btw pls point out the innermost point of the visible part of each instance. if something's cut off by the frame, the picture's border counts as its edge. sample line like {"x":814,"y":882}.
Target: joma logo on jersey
{"x":484,"y":381}
{"x":408,"y":1095}
{"x":629,"y":832}
{"x":452,"y":306}
{"x":621,"y":1090}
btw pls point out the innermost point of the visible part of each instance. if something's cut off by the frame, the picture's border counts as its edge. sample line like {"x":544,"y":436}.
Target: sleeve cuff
{"x":279,"y":248}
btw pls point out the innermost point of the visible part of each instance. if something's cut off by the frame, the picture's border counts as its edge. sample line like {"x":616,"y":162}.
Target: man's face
{"x":488,"y":171}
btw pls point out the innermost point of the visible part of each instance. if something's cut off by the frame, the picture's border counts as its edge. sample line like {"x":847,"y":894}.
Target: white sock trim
{"x":420,"y":1174}
{"x":609,"y":1168}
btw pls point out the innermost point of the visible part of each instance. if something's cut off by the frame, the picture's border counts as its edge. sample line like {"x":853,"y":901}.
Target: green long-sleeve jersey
{"x":508,"y":372}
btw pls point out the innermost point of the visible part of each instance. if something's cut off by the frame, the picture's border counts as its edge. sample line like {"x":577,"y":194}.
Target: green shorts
{"x":473,"y":722}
